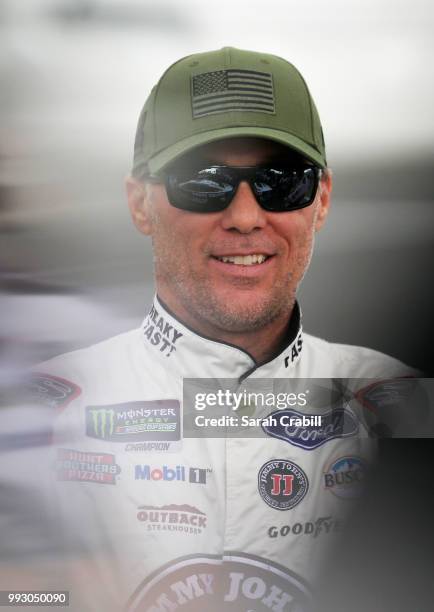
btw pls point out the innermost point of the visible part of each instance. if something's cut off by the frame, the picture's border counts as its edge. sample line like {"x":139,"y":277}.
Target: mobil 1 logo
{"x":178,"y":473}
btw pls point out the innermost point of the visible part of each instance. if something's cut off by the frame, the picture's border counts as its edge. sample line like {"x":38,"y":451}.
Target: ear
{"x":325,"y":192}
{"x":138,"y":204}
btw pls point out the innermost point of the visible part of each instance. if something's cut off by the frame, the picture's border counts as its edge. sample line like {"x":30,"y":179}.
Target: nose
{"x":244,"y":214}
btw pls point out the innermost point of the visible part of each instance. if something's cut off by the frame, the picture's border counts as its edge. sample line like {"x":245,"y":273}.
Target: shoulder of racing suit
{"x":351,"y":361}
{"x":124,"y":368}
{"x":151,"y":362}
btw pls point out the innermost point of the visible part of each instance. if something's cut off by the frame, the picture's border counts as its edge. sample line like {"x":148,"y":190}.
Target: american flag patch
{"x":232,"y":90}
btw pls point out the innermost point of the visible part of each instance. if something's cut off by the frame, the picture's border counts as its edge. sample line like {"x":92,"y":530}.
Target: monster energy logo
{"x":119,"y":423}
{"x":102,"y":422}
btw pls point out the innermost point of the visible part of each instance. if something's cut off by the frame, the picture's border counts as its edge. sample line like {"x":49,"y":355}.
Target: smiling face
{"x":234,"y":271}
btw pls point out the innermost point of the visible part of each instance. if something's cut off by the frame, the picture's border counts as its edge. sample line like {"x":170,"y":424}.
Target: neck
{"x":261,"y":343}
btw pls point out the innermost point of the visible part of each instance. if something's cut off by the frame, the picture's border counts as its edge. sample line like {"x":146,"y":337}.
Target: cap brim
{"x":169,"y":155}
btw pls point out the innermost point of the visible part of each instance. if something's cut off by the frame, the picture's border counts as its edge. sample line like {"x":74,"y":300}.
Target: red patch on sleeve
{"x":51,"y":391}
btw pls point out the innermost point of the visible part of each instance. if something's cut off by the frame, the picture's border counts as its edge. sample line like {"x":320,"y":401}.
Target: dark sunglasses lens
{"x":282,"y":190}
{"x":207,"y":190}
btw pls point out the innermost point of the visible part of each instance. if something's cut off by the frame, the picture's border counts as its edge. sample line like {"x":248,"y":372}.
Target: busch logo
{"x":345,"y":477}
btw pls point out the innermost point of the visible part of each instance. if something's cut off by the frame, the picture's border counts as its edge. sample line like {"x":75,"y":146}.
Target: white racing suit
{"x":158,"y":521}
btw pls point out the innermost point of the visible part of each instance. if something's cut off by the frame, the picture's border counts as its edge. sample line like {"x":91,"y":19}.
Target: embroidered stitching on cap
{"x":223,"y":91}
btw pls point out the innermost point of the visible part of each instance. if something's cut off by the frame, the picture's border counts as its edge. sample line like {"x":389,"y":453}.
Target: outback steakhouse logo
{"x":235,"y":582}
{"x":158,"y":332}
{"x":173,"y":517}
{"x":86,"y":467}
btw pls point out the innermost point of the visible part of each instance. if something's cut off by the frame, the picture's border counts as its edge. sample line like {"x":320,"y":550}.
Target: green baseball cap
{"x":223,"y":94}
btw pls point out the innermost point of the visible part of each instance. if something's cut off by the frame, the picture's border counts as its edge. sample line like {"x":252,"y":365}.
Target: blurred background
{"x":75,"y":74}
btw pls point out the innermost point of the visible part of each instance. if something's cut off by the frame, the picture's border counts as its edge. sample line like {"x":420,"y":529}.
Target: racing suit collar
{"x":193,"y":355}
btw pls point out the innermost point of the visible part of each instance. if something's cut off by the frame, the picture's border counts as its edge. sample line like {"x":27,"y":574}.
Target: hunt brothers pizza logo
{"x":135,"y":421}
{"x":235,"y":582}
{"x":173,"y":517}
{"x":86,"y":467}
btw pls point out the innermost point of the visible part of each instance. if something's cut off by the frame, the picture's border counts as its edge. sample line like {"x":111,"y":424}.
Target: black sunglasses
{"x":211,"y":189}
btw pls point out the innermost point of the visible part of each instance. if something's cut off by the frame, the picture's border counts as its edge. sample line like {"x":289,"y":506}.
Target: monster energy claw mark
{"x":103,"y":421}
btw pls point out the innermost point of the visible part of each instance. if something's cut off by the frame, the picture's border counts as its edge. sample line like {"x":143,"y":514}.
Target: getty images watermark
{"x":226,"y":407}
{"x":234,"y":401}
{"x":307,"y":412}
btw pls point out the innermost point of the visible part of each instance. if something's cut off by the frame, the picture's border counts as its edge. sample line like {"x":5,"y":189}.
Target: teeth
{"x":244,"y":260}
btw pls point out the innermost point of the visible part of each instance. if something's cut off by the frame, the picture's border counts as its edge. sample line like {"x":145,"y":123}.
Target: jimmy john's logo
{"x":160,"y":333}
{"x":282,"y":484}
{"x":174,"y":518}
{"x":86,"y":467}
{"x":157,"y":420}
{"x":231,"y":582}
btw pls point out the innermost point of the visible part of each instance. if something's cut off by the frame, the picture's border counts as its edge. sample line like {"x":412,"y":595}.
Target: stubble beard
{"x":193,"y":299}
{"x":230,"y":316}
{"x":215,"y":311}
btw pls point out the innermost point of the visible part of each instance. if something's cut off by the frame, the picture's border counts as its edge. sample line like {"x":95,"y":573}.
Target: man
{"x":230,"y":180}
